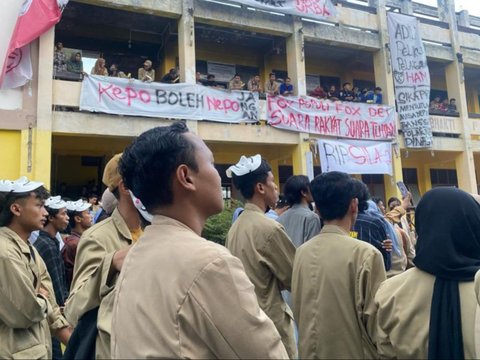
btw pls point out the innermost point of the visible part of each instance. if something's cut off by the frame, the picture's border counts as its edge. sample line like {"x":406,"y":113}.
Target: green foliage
{"x":216,"y":227}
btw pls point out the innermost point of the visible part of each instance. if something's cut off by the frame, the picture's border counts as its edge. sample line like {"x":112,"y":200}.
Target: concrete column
{"x":296,"y":57}
{"x":299,"y":159}
{"x":384,"y":79}
{"x":406,"y":7}
{"x":275,"y":172}
{"x":456,"y":89}
{"x":464,"y":18}
{"x":36,"y":150}
{"x":186,"y":43}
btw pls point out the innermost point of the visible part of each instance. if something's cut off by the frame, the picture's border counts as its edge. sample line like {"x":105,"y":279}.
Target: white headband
{"x":141,"y":209}
{"x":21,"y":185}
{"x":55,"y":202}
{"x":245,"y":166}
{"x":78,"y":206}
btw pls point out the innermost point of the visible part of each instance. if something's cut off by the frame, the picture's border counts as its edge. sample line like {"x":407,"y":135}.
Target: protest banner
{"x":356,"y":157}
{"x":412,"y":80}
{"x":177,"y":101}
{"x":339,"y":119}
{"x":315,"y":9}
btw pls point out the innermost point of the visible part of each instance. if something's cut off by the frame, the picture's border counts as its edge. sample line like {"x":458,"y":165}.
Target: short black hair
{"x":9,"y":198}
{"x":52,"y":213}
{"x":271,"y":74}
{"x":346,"y":83}
{"x":377,"y":199}
{"x":333,"y":192}
{"x":378,"y":88}
{"x":294,"y":187}
{"x":392,"y":199}
{"x":362,"y":194}
{"x":71,"y":221}
{"x":246,"y":183}
{"x":148,"y":164}
{"x":210,"y":76}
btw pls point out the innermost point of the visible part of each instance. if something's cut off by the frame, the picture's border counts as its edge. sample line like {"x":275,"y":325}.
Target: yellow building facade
{"x":45,"y":137}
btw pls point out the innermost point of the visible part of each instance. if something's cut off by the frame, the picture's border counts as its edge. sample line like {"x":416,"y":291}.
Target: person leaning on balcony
{"x":271,"y":85}
{"x":75,"y":64}
{"x":99,"y":68}
{"x":146,"y":73}
{"x":114,"y":72}
{"x":59,"y":59}
{"x":253,"y":84}
{"x":318,"y":93}
{"x":236,"y":83}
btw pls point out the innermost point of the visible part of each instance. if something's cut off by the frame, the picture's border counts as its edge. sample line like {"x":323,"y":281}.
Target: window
{"x":443,"y":177}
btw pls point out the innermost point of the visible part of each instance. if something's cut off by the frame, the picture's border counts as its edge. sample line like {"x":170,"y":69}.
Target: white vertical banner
{"x":355,"y":156}
{"x":18,"y":69}
{"x":411,"y":79}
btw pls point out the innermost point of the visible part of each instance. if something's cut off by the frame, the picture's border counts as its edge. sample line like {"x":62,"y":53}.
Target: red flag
{"x":35,"y":18}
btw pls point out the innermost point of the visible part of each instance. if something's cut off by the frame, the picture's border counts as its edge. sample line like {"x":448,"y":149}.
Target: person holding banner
{"x":335,"y":278}
{"x":146,"y":73}
{"x":262,"y":244}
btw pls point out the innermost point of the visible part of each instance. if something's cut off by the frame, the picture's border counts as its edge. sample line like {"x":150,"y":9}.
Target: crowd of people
{"x":327,"y":272}
{"x":272,"y":86}
{"x":445,"y":106}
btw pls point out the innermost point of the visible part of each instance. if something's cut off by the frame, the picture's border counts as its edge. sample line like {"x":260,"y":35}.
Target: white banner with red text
{"x":325,"y":117}
{"x":315,"y":9}
{"x":412,"y":80}
{"x":176,"y":101}
{"x":356,"y":157}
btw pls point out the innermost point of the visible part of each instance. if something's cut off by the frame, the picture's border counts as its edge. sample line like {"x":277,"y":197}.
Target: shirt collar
{"x":253,"y":207}
{"x":121,"y":225}
{"x":165,"y":220}
{"x":12,"y":235}
{"x":333,"y":229}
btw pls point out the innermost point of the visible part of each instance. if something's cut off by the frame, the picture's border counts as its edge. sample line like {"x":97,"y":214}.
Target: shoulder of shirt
{"x":99,"y":228}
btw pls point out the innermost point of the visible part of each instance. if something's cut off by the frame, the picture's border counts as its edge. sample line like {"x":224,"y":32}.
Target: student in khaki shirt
{"x":100,"y":255}
{"x":262,"y":244}
{"x":335,"y":278}
{"x":430,"y":311}
{"x":179,"y":295}
{"x":27,"y":302}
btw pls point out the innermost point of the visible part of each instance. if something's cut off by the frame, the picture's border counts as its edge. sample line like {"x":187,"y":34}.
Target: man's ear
{"x":260,"y":188}
{"x":16,"y":209}
{"x":184,"y":177}
{"x":354,"y":206}
{"x":122,"y":189}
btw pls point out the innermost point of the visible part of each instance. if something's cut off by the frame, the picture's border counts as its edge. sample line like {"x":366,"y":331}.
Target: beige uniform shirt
{"x":146,"y":75}
{"x":90,"y":287}
{"x":267,"y":254}
{"x":335,"y":278}
{"x":403,"y":306}
{"x":272,"y":88}
{"x":25,"y":317}
{"x":181,"y":296}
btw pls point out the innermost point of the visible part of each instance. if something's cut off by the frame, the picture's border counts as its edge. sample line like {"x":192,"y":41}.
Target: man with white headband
{"x":28,"y":307}
{"x":262,"y":244}
{"x":80,"y":220}
{"x":48,"y":247}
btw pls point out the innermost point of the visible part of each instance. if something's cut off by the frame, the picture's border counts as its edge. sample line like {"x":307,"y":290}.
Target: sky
{"x":473,"y":6}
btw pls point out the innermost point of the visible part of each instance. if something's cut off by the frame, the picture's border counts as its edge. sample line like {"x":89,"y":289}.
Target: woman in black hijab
{"x":429,"y":311}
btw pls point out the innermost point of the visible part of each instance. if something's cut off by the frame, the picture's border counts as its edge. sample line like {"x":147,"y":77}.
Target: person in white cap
{"x":28,"y":307}
{"x":48,"y":247}
{"x":262,"y":244}
{"x":80,"y":220}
